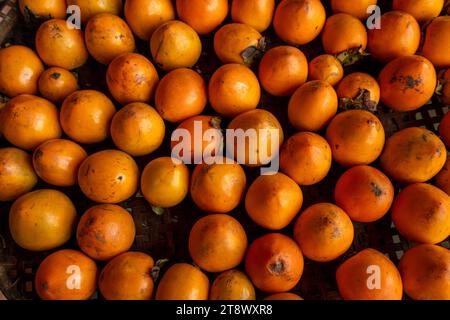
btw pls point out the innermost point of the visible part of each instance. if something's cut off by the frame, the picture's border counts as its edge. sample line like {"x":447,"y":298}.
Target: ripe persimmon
{"x":443,"y":177}
{"x":233,"y":89}
{"x":20,"y":69}
{"x":232,"y":285}
{"x":42,"y":220}
{"x":283,"y":296}
{"x":359,"y":90}
{"x":137,"y":129}
{"x":324,"y":232}
{"x":255,"y":13}
{"x":274,"y":263}
{"x":413,"y":155}
{"x":57,"y":161}
{"x":436,"y":47}
{"x":203,"y":16}
{"x":422,"y":10}
{"x":131,"y":77}
{"x":90,"y":8}
{"x":105,"y":231}
{"x":356,"y":8}
{"x":282,"y":70}
{"x":326,"y":68}
{"x":108,"y":176}
{"x":47,"y":9}
{"x":444,"y":128}
{"x":55,"y":84}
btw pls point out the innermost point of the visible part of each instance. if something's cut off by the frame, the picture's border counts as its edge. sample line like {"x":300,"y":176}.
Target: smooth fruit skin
{"x":203,"y":16}
{"x":57,"y":161}
{"x":90,"y":8}
{"x":306,"y":158}
{"x":105,"y":231}
{"x":42,"y":220}
{"x":273,"y":201}
{"x":444,"y":128}
{"x":436,"y":47}
{"x":107,"y":36}
{"x":232,"y":285}
{"x":86,"y":116}
{"x":138,"y":129}
{"x":422,"y":10}
{"x":55,"y":272}
{"x":28,"y":121}
{"x":283,"y":296}
{"x":54,"y":9}
{"x":425,"y":271}
{"x":421,"y":213}
{"x":59,"y":46}
{"x":312,"y":106}
{"x":324,"y":232}
{"x":231,"y":41}
{"x":299,"y":22}
{"x":343,"y":32}
{"x":407,"y":83}
{"x":181,"y":94}
{"x":400,"y":30}
{"x":175,"y":45}
{"x":131,"y":78}
{"x":20,"y":69}
{"x":255,"y":13}
{"x":364,"y":193}
{"x":413,"y":155}
{"x":165,"y":182}
{"x":443,"y":177}
{"x":108,"y":176}
{"x":326,"y":68}
{"x":218,"y":187}
{"x":183,"y":281}
{"x":55,"y":84}
{"x":145,"y":16}
{"x":127,"y":277}
{"x":353,"y":277}
{"x":352,"y":85}
{"x":217,"y":243}
{"x":356,"y":8}
{"x":356,"y":137}
{"x":282,"y":70}
{"x":274,"y":263}
{"x":17,"y":176}
{"x":233,"y":89}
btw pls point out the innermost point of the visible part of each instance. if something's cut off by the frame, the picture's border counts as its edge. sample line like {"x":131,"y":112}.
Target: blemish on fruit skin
{"x":377,"y":191}
{"x":277,"y":267}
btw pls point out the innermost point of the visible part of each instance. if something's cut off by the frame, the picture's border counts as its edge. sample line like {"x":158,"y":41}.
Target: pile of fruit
{"x":53,"y":125}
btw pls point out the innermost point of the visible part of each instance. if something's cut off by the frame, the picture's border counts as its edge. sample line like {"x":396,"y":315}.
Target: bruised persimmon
{"x":60,"y":46}
{"x":183,"y":281}
{"x":105,"y":231}
{"x":108,"y":176}
{"x":283,"y":296}
{"x":17,"y":176}
{"x":55,"y":84}
{"x":282,"y":70}
{"x":175,"y":44}
{"x":299,"y":22}
{"x":127,"y":277}
{"x":354,"y":281}
{"x":217,"y":243}
{"x":413,"y":155}
{"x":86,"y":116}
{"x":237,"y":43}
{"x":444,"y":129}
{"x":218,"y":187}
{"x":145,"y":16}
{"x":356,"y":137}
{"x":436,"y":47}
{"x":90,"y":8}
{"x":326,"y":68}
{"x":165,"y":182}
{"x":42,"y":220}
{"x":360,"y":90}
{"x":443,"y":177}
{"x":407,"y":83}
{"x":233,"y":89}
{"x":306,"y":158}
{"x":107,"y":36}
{"x":343,"y":32}
{"x":356,"y":8}
{"x":313,"y":106}
{"x":255,"y":13}
{"x":20,"y":69}
{"x":232,"y":285}
{"x":56,"y":162}
{"x":399,"y":36}
{"x":364,"y":193}
{"x":28,"y":121}
{"x":203,"y":16}
{"x":274,"y":263}
{"x":421,"y":213}
{"x":50,"y":9}
{"x":422,"y":10}
{"x":66,"y":275}
{"x":324,"y":232}
{"x":137,"y":129}
{"x":273,"y":201}
{"x":181,"y":94}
